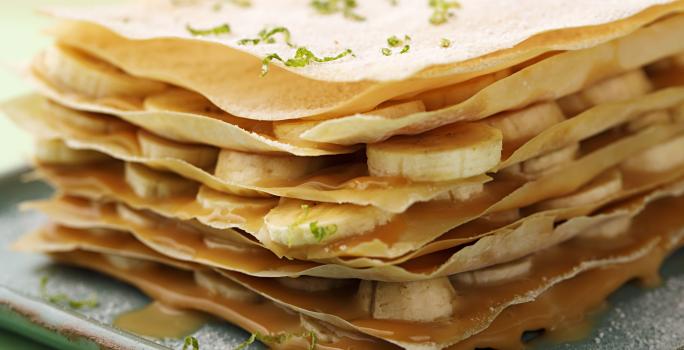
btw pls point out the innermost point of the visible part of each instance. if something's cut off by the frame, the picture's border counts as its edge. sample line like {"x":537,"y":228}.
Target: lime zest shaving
{"x":218,"y":30}
{"x":328,"y":7}
{"x":394,"y":41}
{"x":442,"y":10}
{"x":302,"y":58}
{"x":444,"y":42}
{"x":63,"y":299}
{"x":267,"y":36}
{"x":279,"y":338}
{"x":322,"y":232}
{"x":190,"y":343}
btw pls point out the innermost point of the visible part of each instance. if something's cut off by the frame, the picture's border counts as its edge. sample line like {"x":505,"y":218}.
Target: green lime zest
{"x":302,"y":58}
{"x":394,"y":41}
{"x":190,"y":343}
{"x":63,"y":299}
{"x":279,"y":338}
{"x":441,"y":10}
{"x":267,"y":36}
{"x":329,"y":7}
{"x":322,"y":232}
{"x":444,"y":42}
{"x":218,"y":30}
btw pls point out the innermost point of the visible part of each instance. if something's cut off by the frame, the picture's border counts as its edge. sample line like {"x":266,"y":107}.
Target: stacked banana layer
{"x":449,"y":210}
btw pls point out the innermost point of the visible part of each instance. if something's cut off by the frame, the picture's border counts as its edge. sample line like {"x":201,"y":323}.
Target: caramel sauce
{"x":476,"y":307}
{"x":159,"y":321}
{"x":177,"y":288}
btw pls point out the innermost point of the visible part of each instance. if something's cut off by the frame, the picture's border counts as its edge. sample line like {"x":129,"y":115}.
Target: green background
{"x":20,"y":38}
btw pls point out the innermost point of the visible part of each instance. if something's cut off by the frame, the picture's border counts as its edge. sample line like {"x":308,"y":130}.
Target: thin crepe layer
{"x":179,"y":240}
{"x":227,"y":75}
{"x":177,"y":288}
{"x":420,"y":224}
{"x":351,"y":185}
{"x":660,"y":224}
{"x":348,"y":182}
{"x":656,"y":230}
{"x":594,"y":64}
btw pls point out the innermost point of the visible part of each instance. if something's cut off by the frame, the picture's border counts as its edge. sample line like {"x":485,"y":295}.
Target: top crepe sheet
{"x":478,"y":28}
{"x":482,"y":45}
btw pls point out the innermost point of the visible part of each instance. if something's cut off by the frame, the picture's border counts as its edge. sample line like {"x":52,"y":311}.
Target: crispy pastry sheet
{"x":229,"y":74}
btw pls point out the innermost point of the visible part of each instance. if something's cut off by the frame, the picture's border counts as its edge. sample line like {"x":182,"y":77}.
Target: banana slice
{"x":57,"y":152}
{"x":224,"y":287}
{"x":420,"y":301}
{"x":106,"y":232}
{"x":154,"y":146}
{"x":595,"y":191}
{"x":648,"y":119}
{"x":126,"y":263}
{"x":148,"y":183}
{"x":296,"y":223}
{"x":212,"y":199}
{"x":550,"y":161}
{"x":520,"y":126}
{"x":461,"y":193}
{"x":93,"y":77}
{"x":455,"y":94}
{"x":494,"y":275}
{"x":291,"y":131}
{"x":451,"y":152}
{"x":609,"y":229}
{"x":312,"y":284}
{"x":84,"y":121}
{"x":623,"y":87}
{"x":134,"y":216}
{"x":251,"y":168}
{"x":659,"y":158}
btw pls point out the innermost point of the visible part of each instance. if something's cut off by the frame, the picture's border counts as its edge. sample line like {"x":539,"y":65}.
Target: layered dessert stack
{"x":371,"y":175}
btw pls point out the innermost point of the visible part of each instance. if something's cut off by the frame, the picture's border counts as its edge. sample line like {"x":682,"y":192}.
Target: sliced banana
{"x":291,"y":131}
{"x":461,"y":193}
{"x":296,"y":223}
{"x":134,"y":216}
{"x":224,"y":287}
{"x":455,"y":94}
{"x":623,"y":87}
{"x":520,"y":126}
{"x":494,"y":275}
{"x":154,"y":146}
{"x":550,"y":161}
{"x":93,"y":77}
{"x":659,"y":158}
{"x":595,"y":191}
{"x":451,"y":152}
{"x":148,"y":183}
{"x":251,"y":168}
{"x":312,"y":284}
{"x":609,"y":229}
{"x":211,"y":199}
{"x":84,"y":121}
{"x":677,"y":114}
{"x":648,"y":119}
{"x":126,"y":263}
{"x":57,"y":152}
{"x":105,"y":232}
{"x":419,"y":301}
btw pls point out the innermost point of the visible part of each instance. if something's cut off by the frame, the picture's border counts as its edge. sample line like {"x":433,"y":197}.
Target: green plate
{"x":637,"y":318}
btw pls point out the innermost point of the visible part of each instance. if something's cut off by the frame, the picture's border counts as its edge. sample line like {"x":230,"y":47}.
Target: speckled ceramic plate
{"x":636,"y":319}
